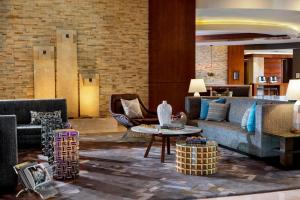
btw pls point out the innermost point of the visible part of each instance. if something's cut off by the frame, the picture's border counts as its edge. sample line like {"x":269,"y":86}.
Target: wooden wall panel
{"x":44,"y":72}
{"x":235,"y":64}
{"x":67,"y":70}
{"x":296,"y":63}
{"x":171,"y":51}
{"x":273,"y":67}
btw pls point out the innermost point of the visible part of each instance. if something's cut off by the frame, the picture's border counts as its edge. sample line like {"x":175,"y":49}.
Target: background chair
{"x":117,"y":111}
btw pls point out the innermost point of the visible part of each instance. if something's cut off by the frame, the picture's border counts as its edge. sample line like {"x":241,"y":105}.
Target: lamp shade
{"x":293,"y":91}
{"x":197,"y":85}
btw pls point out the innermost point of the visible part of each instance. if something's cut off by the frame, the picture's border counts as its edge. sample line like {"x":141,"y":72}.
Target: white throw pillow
{"x":132,"y":108}
{"x":245,"y":119}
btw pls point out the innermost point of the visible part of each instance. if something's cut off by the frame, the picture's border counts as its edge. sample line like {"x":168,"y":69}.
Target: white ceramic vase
{"x":164,"y":112}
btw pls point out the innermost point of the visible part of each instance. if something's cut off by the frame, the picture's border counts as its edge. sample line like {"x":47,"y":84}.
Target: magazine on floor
{"x":37,"y":177}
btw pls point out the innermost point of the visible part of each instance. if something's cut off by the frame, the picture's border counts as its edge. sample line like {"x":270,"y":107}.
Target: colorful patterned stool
{"x":66,"y":154}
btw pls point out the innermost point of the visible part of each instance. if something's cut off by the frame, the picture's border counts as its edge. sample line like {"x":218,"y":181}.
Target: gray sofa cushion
{"x":238,"y":107}
{"x":29,"y":135}
{"x":227,"y":134}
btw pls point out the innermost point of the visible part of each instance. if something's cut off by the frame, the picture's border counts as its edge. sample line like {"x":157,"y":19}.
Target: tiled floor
{"x":96,"y":125}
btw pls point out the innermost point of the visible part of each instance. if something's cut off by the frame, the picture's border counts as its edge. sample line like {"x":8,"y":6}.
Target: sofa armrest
{"x":268,"y":118}
{"x":278,"y":117}
{"x":8,"y":151}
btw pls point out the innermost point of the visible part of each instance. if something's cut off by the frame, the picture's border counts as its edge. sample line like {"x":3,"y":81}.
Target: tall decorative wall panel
{"x":44,"y":72}
{"x":67,"y":70}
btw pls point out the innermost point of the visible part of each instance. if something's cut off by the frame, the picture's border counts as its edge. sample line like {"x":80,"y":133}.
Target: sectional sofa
{"x":270,"y":114}
{"x":17,"y":132}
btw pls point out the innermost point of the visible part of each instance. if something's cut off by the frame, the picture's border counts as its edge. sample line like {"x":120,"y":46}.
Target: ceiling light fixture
{"x":234,"y":21}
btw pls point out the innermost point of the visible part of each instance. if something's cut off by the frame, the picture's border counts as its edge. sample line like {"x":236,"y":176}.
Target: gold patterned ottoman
{"x":196,"y":159}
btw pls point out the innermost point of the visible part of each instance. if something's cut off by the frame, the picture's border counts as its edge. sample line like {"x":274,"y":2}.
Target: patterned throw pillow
{"x":49,"y":125}
{"x":245,"y":119}
{"x":217,"y":112}
{"x":132,"y":108}
{"x":36,"y":117}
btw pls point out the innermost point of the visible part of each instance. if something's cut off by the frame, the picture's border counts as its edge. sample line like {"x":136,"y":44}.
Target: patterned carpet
{"x":114,"y":169}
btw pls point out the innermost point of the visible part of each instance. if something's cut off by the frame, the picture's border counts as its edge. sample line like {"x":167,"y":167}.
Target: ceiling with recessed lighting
{"x":276,"y":18}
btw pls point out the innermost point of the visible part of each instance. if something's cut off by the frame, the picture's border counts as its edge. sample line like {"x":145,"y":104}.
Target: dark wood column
{"x":296,"y":63}
{"x":171,"y":51}
{"x":236,"y":65}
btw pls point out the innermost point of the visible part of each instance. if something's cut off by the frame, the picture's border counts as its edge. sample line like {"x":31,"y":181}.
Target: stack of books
{"x":196,"y":140}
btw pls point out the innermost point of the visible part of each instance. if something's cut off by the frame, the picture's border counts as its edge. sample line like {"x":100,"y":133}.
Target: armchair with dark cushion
{"x":117,"y":111}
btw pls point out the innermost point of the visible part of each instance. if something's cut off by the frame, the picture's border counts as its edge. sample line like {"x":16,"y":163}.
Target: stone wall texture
{"x":112,"y":41}
{"x":219,"y":64}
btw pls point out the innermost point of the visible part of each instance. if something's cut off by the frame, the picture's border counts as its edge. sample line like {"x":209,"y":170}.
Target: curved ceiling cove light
{"x":277,"y":18}
{"x":292,"y":5}
{"x":228,"y":21}
{"x":215,"y":24}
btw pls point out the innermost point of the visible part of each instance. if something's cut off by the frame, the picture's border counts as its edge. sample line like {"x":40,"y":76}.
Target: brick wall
{"x":219,"y":64}
{"x":112,"y":40}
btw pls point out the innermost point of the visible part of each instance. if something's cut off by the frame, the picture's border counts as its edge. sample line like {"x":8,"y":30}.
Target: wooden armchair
{"x":117,"y":111}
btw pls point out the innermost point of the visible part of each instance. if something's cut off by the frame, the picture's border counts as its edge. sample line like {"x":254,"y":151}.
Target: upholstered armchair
{"x":117,"y":111}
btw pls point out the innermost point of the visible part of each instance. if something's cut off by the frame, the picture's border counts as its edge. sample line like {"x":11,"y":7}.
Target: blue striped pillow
{"x":217,"y":112}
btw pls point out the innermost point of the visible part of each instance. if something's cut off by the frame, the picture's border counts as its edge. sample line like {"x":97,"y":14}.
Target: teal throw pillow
{"x":251,"y":119}
{"x":204,"y":105}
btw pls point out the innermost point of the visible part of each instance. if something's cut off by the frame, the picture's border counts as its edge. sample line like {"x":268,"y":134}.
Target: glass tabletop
{"x":156,"y":129}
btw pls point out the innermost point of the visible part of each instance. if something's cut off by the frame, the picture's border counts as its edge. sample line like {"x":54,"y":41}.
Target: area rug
{"x":117,"y":170}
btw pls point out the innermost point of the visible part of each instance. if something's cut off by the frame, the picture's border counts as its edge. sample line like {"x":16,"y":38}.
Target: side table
{"x":288,"y":147}
{"x":196,"y":159}
{"x":66,"y":154}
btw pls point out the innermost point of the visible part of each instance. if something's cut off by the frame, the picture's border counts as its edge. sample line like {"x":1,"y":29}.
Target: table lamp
{"x":197,"y":86}
{"x":293,"y":93}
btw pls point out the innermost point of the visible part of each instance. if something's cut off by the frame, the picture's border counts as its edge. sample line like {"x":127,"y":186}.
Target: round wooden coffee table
{"x":165,"y":134}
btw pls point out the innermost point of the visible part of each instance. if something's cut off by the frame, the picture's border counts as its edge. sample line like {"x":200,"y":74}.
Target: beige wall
{"x":112,"y":40}
{"x":255,"y":68}
{"x":219,"y":67}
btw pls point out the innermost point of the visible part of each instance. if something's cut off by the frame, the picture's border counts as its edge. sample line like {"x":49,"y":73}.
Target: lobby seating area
{"x":149,"y":100}
{"x":17,"y":132}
